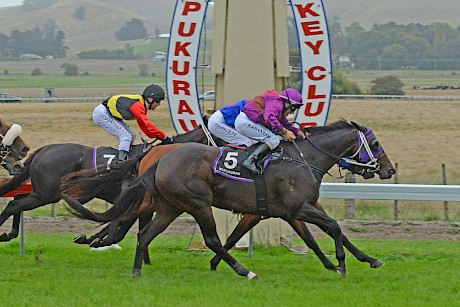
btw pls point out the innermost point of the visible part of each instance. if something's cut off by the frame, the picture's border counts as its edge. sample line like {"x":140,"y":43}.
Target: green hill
{"x":104,"y":17}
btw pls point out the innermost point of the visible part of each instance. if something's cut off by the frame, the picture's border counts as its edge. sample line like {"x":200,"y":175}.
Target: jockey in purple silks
{"x":264,"y":115}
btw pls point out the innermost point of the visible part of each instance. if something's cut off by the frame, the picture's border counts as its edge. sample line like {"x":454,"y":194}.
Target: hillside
{"x":104,"y":17}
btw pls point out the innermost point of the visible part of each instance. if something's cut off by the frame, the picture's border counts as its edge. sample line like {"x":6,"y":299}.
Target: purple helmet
{"x":293,"y":96}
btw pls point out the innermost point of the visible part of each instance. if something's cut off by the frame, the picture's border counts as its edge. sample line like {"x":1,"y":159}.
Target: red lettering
{"x":312,"y":92}
{"x":191,"y":6}
{"x":307,"y":9}
{"x":184,"y":108}
{"x":190,"y":32}
{"x":312,"y":28}
{"x":184,"y":125}
{"x":315,"y":47}
{"x":181,"y":48}
{"x":311,"y":75}
{"x":179,"y":85}
{"x":185,"y":69}
{"x":310,"y":124}
{"x":308,"y":109}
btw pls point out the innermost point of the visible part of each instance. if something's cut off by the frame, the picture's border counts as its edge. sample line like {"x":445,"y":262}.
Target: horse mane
{"x":338,"y":125}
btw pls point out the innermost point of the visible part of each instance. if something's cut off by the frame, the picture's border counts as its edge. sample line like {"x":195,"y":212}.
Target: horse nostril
{"x":25,"y":149}
{"x":392,"y":171}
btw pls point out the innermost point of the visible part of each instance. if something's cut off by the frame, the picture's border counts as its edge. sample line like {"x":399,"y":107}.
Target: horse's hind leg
{"x":144,"y":219}
{"x":82,"y":239}
{"x":244,"y":225}
{"x":149,"y":232}
{"x":360,"y":255}
{"x":207,"y":225}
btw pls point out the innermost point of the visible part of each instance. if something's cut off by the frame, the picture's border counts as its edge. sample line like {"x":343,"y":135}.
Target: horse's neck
{"x":324,"y":150}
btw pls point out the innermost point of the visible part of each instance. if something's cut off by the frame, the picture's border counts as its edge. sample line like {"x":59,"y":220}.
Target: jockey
{"x":222,"y":125}
{"x":109,"y":115}
{"x":265,"y":114}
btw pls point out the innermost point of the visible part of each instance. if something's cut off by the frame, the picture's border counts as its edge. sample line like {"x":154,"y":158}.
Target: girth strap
{"x":261,"y":195}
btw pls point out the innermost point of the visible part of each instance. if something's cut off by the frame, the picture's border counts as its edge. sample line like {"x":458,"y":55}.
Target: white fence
{"x":390,"y":191}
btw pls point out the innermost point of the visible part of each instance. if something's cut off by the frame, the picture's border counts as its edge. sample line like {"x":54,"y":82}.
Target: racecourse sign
{"x":182,"y":63}
{"x":315,"y":55}
{"x":183,"y":51}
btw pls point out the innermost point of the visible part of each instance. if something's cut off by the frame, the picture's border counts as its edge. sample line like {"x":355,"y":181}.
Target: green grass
{"x":56,"y":272}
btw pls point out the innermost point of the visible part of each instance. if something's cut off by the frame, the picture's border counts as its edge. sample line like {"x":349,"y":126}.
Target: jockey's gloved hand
{"x":167,"y":141}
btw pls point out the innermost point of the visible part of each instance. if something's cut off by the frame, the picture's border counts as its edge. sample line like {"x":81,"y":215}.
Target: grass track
{"x":55,"y":272}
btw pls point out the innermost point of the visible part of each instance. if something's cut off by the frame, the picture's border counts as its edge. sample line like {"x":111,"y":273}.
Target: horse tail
{"x":18,"y":179}
{"x":125,"y":207}
{"x":88,"y":183}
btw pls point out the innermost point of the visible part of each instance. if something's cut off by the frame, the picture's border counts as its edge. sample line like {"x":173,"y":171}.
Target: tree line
{"x":397,"y":46}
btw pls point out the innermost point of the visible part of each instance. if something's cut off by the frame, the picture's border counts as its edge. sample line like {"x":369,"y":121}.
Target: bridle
{"x":359,"y":158}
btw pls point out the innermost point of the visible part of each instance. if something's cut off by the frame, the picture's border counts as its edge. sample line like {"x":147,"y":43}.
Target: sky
{"x":4,"y":3}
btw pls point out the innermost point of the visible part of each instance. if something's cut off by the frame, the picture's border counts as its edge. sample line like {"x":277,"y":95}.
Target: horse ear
{"x":358,"y":127}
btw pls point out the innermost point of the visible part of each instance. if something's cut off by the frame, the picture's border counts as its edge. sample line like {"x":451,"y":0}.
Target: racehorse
{"x":12,"y":148}
{"x":184,"y":181}
{"x":47,"y":165}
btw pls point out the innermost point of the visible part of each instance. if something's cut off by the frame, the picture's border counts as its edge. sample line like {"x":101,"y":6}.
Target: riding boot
{"x":251,"y":162}
{"x":122,"y":155}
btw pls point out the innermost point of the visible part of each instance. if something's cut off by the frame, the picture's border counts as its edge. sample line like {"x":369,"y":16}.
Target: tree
{"x":80,"y":12}
{"x":133,"y":29}
{"x":387,"y":85}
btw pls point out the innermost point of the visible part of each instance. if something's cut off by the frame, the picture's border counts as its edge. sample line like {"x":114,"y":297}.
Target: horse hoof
{"x":96,"y":243}
{"x":4,"y":237}
{"x":80,"y":239}
{"x":252,"y":275}
{"x":136,"y":272}
{"x":342,"y":271}
{"x":377,"y":264}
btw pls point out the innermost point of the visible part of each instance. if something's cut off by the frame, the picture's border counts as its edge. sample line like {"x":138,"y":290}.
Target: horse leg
{"x":207,"y":224}
{"x":144,"y":219}
{"x":149,"y":232}
{"x":307,"y":237}
{"x":244,"y":225}
{"x":310,"y":214}
{"x":360,"y":255}
{"x":82,"y":239}
{"x":116,"y":231}
{"x":14,"y":208}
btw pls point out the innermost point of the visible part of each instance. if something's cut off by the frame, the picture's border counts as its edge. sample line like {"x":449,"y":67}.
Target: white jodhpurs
{"x":220,"y":129}
{"x":255,"y":131}
{"x":114,"y":126}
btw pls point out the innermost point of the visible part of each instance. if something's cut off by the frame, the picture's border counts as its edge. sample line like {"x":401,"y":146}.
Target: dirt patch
{"x":187,"y":226}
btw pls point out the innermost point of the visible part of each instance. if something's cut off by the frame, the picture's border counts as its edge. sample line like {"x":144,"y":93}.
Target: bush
{"x":36,"y":72}
{"x":70,"y":69}
{"x":341,"y":85}
{"x":387,"y":85}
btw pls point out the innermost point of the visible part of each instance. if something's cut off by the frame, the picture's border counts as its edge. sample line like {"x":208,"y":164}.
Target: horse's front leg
{"x":360,"y":255}
{"x":310,"y":214}
{"x":304,"y":233}
{"x":82,"y":239}
{"x":244,"y":225}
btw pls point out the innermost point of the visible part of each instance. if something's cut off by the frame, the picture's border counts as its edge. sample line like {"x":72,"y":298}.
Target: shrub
{"x":70,"y":69}
{"x":387,"y":85}
{"x":36,"y":72}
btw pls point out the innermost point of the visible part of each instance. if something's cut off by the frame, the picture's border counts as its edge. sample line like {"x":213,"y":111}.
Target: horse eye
{"x":374,"y":145}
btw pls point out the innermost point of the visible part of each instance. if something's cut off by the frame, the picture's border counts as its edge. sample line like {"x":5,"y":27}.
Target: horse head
{"x":361,"y":152}
{"x":12,"y":147}
{"x":367,"y":157}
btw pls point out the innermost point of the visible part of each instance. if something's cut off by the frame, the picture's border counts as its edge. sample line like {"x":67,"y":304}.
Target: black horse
{"x":12,"y":148}
{"x":184,"y":181}
{"x":49,"y":164}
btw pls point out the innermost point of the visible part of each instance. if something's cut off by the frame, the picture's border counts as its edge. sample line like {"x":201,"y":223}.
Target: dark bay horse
{"x":12,"y":148}
{"x":47,"y":165}
{"x":184,"y":181}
